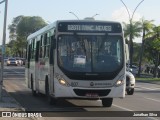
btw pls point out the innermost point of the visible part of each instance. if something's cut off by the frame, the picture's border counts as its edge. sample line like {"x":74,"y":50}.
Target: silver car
{"x":130,"y":83}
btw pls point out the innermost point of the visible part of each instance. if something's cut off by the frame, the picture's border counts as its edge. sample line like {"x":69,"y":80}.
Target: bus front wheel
{"x":107,"y":102}
{"x":130,"y":91}
{"x":33,"y":91}
{"x":51,"y":100}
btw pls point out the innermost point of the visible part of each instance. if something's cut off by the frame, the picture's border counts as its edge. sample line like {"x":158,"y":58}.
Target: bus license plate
{"x":92,"y":95}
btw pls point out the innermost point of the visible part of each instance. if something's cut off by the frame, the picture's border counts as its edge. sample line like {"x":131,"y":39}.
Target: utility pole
{"x":3,"y":47}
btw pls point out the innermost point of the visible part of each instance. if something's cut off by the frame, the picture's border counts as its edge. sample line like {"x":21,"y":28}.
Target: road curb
{"x":8,"y":103}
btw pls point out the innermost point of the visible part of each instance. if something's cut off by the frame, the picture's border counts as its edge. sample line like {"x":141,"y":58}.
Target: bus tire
{"x":130,"y":91}
{"x":33,"y":91}
{"x":107,"y":102}
{"x":50,"y":99}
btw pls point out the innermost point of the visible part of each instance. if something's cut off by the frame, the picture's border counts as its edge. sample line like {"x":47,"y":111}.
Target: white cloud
{"x":121,"y":15}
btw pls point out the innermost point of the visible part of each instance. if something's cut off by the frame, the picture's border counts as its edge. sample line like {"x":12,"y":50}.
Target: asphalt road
{"x":146,"y":99}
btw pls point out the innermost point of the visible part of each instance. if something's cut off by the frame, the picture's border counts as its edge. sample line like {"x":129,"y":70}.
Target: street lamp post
{"x":94,"y":15}
{"x":2,"y":1}
{"x":74,"y":15}
{"x":3,"y":47}
{"x":131,"y":35}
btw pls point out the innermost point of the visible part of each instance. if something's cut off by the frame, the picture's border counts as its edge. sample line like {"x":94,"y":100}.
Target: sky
{"x":52,"y":10}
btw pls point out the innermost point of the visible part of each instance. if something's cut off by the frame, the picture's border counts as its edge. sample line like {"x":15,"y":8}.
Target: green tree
{"x":132,"y":31}
{"x":153,"y":43}
{"x":147,"y":26}
{"x":29,"y":25}
{"x":12,"y":27}
{"x":20,"y":29}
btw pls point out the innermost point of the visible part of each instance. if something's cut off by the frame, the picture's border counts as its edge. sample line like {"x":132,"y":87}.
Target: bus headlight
{"x":63,"y":82}
{"x":119,"y":83}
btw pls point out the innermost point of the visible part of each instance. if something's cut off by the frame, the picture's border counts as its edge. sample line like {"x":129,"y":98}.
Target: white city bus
{"x":77,"y":59}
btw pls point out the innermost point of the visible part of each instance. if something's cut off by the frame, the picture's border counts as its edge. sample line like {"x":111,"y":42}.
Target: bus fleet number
{"x":74,"y":84}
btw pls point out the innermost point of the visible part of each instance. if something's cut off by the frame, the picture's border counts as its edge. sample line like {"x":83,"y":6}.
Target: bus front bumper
{"x":80,"y":92}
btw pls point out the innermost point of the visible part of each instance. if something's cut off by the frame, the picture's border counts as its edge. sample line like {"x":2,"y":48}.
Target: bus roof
{"x":53,"y":25}
{"x":42,"y":30}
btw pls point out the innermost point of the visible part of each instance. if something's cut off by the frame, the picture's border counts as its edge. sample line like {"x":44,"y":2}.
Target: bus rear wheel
{"x":107,"y":102}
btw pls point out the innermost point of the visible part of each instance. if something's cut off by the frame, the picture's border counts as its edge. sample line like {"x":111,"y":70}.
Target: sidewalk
{"x":8,"y":104}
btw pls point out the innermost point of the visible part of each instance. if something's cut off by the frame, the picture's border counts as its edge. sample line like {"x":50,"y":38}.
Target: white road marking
{"x":123,"y":108}
{"x":119,"y":107}
{"x":152,"y":118}
{"x":14,"y":71}
{"x":152,"y":99}
{"x":138,"y":88}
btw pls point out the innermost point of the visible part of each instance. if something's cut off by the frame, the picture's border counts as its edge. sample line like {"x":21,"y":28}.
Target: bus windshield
{"x":86,"y":53}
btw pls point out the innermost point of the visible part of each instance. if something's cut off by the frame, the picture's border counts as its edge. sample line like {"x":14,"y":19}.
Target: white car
{"x":19,"y":61}
{"x":11,"y":61}
{"x":130,"y":83}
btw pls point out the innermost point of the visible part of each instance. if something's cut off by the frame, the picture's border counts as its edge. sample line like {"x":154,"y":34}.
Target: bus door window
{"x":51,"y":49}
{"x":47,"y":45}
{"x":29,"y":54}
{"x":41,"y":47}
{"x":33,"y":48}
{"x":44,"y":45}
{"x":37,"y":51}
{"x":62,"y":52}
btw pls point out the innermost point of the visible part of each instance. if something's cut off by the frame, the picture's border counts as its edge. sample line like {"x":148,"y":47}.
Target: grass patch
{"x":148,"y":79}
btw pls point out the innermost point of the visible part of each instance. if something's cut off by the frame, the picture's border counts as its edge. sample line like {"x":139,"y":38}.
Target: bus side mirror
{"x":127,"y":53}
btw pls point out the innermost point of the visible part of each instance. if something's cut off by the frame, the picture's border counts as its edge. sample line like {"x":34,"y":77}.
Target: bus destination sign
{"x":89,"y":27}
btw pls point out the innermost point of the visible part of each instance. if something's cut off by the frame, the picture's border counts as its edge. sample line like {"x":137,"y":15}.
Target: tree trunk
{"x":140,"y":59}
{"x":141,"y":53}
{"x":156,"y":65}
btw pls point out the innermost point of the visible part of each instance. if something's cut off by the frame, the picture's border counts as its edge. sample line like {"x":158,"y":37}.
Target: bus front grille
{"x":84,"y":92}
